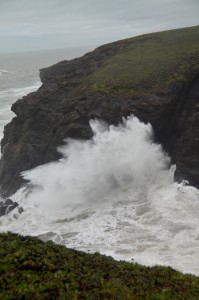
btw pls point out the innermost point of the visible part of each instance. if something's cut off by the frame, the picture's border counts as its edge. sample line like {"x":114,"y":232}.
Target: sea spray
{"x":113,"y":194}
{"x":113,"y":160}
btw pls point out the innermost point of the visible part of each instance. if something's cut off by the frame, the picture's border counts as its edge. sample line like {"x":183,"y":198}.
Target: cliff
{"x":154,"y":76}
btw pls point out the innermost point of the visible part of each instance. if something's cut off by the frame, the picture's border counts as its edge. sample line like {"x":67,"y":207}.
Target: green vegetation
{"x":149,"y":62}
{"x":31,"y":269}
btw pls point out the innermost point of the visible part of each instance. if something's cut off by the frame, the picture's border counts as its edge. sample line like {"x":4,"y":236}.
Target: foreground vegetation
{"x":32,"y":269}
{"x":149,"y":62}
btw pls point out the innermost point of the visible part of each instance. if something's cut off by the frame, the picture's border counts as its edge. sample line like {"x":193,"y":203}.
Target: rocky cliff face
{"x":155,"y":77}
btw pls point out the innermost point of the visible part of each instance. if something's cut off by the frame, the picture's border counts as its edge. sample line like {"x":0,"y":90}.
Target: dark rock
{"x":11,"y":207}
{"x":8,"y":202}
{"x":20,"y":209}
{"x":68,"y":99}
{"x":2,"y":209}
{"x":7,"y":206}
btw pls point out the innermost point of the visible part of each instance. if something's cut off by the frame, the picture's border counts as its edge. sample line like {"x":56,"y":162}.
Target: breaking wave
{"x":115,"y":159}
{"x":113,"y":194}
{"x":7,"y":97}
{"x":3,"y":72}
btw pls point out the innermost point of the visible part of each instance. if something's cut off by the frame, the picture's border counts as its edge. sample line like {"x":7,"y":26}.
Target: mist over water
{"x":115,"y":159}
{"x":113,"y":194}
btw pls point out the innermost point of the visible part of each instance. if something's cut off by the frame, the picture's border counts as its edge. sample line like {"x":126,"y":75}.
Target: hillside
{"x":149,"y":62}
{"x":31,"y":269}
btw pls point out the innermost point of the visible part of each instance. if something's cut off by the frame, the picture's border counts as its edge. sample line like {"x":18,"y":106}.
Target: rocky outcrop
{"x":73,"y":92}
{"x":181,"y":132}
{"x":8,"y":205}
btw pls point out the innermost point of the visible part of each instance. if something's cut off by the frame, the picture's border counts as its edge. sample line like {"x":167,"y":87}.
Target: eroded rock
{"x":70,"y":97}
{"x":7,"y":206}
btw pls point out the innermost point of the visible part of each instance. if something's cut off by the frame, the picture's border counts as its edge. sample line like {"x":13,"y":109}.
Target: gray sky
{"x":27,"y":25}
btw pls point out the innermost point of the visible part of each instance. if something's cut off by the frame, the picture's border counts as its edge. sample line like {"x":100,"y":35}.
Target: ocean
{"x":123,"y":202}
{"x":19,"y":75}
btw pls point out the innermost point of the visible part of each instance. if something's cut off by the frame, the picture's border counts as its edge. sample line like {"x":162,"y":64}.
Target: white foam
{"x":116,"y":195}
{"x":20,"y":92}
{"x":3,"y":72}
{"x":113,"y":160}
{"x":7,"y":97}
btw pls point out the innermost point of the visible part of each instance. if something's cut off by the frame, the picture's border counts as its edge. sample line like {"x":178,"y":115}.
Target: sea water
{"x":113,"y":194}
{"x":19,"y":75}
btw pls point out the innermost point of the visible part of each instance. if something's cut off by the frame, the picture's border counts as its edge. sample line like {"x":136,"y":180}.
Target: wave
{"x":22,"y":91}
{"x":3,"y":72}
{"x":113,"y":194}
{"x":115,"y":158}
{"x":7,"y":97}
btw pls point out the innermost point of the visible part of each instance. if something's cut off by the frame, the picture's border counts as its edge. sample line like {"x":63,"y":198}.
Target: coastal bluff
{"x":153,"y":76}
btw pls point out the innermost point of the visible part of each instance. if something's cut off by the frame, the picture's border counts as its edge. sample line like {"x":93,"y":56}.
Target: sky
{"x":29,"y":25}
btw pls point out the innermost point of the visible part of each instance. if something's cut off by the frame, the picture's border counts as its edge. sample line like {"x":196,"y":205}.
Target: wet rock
{"x":7,"y":206}
{"x":2,"y":209}
{"x":20,"y":209}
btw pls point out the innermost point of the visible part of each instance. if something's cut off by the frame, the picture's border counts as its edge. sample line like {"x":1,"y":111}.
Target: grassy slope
{"x":149,"y":62}
{"x":31,"y":269}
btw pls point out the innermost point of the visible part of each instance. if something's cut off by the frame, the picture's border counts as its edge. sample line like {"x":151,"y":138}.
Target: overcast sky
{"x":27,"y":25}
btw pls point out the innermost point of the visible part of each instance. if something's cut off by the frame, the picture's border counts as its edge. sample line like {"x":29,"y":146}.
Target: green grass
{"x":31,"y":269}
{"x":149,"y":62}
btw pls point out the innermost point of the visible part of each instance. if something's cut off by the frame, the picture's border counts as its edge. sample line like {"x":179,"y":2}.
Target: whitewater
{"x":114,"y":194}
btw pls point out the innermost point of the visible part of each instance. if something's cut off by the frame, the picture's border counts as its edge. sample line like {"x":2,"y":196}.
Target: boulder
{"x":7,"y":206}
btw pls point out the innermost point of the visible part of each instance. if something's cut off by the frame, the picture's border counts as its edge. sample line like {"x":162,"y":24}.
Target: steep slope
{"x":31,"y":269}
{"x":154,"y":76}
